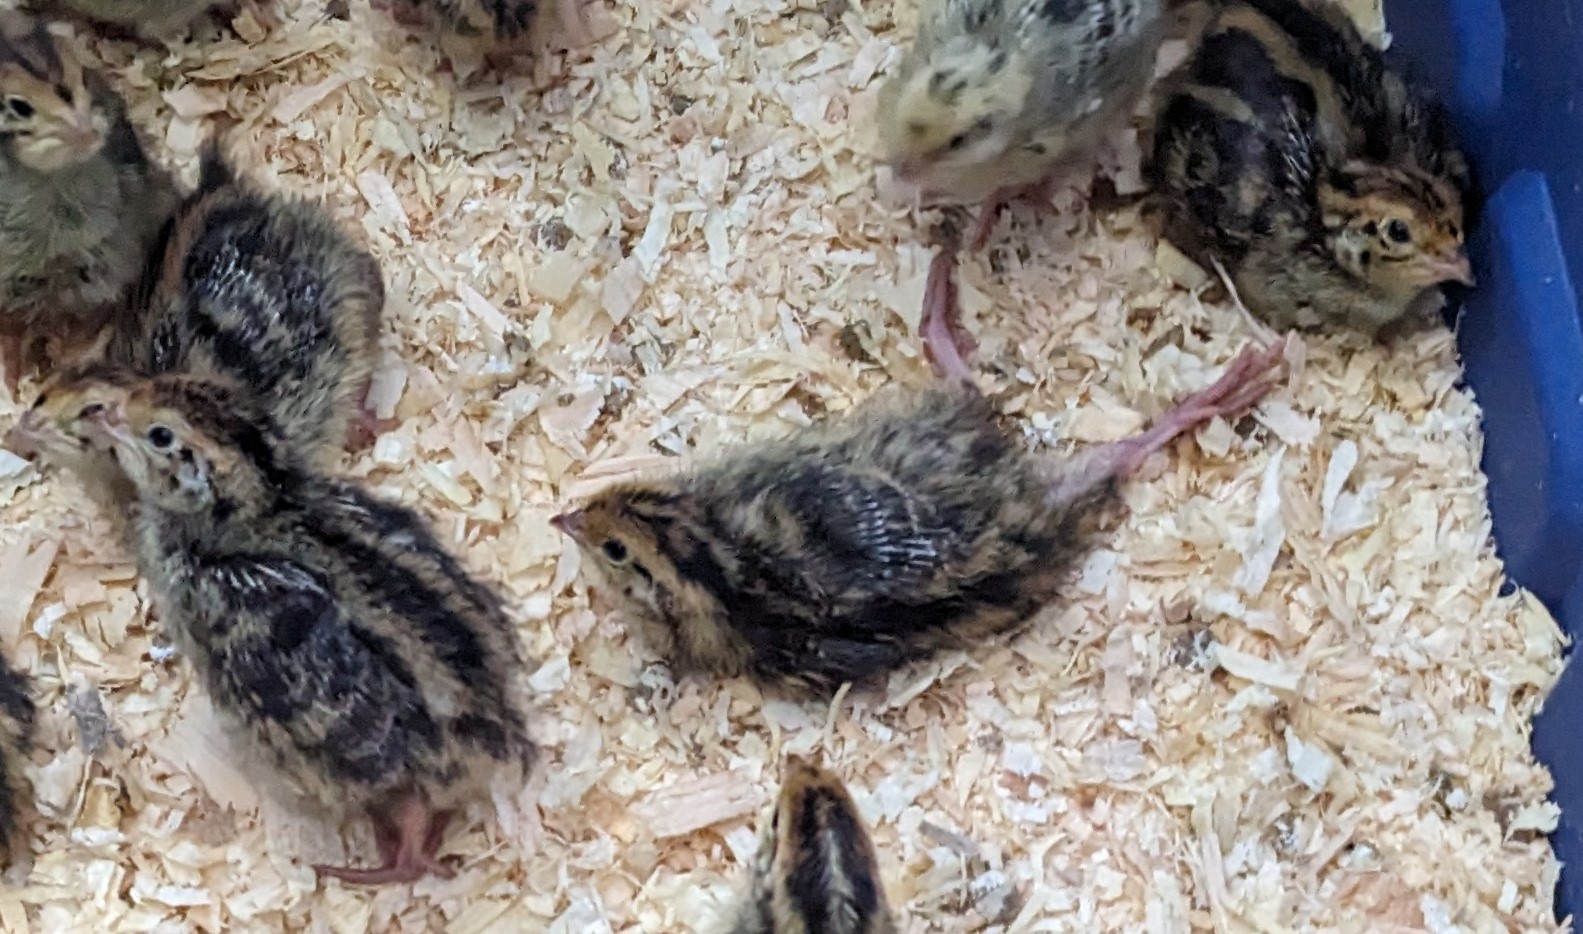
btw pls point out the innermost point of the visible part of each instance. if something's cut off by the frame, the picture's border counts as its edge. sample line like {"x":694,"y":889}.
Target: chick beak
{"x":1455,"y":268}
{"x":570,"y":523}
{"x":110,"y":423}
{"x":22,"y":439}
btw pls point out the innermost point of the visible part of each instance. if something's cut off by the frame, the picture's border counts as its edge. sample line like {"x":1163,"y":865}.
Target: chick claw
{"x":944,"y":340}
{"x":1039,"y":192}
{"x":406,"y":846}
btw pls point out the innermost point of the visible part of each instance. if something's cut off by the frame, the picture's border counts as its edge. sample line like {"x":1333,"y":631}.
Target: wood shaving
{"x":1288,"y":693}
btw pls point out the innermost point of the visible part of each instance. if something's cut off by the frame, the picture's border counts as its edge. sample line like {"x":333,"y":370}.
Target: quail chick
{"x":993,"y":99}
{"x":838,"y":554}
{"x":80,"y":202}
{"x":267,"y":290}
{"x":338,"y":638}
{"x":816,"y":868}
{"x":17,"y":720}
{"x":1329,"y":187}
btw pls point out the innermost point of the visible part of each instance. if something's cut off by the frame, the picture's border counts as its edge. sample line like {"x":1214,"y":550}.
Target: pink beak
{"x":570,"y":523}
{"x":1456,"y":269}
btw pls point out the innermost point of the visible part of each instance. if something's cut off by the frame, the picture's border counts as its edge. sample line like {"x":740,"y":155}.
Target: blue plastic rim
{"x":1512,"y":72}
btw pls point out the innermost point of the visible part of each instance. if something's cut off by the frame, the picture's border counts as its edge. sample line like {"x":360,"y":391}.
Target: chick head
{"x":186,"y":444}
{"x":951,"y":112}
{"x":55,"y":428}
{"x":1400,"y":230}
{"x":49,"y":119}
{"x":822,"y":866}
{"x":630,"y":534}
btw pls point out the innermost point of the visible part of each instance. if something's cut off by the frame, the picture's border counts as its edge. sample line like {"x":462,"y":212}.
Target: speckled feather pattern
{"x":505,"y":20}
{"x":73,"y":241}
{"x":265,"y":290}
{"x":335,"y":632}
{"x":835,"y":556}
{"x":816,"y":869}
{"x":1277,"y":98}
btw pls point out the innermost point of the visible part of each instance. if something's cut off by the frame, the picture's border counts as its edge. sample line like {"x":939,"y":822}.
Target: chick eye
{"x":957,"y":142}
{"x":1398,"y":231}
{"x":161,"y":437}
{"x":91,"y":409}
{"x":615,"y":551}
{"x":19,"y":107}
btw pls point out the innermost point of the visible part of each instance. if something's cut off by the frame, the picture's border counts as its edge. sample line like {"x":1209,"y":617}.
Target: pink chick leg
{"x":1249,"y":377}
{"x":941,"y":326}
{"x":407,"y":843}
{"x":366,"y":427}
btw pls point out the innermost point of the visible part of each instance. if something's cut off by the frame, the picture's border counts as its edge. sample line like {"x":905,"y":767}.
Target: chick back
{"x":349,"y":644}
{"x":911,"y":525}
{"x":267,"y":291}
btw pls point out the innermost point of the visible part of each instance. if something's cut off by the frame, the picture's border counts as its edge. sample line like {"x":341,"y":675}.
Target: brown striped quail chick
{"x":260,"y":289}
{"x":80,"y":202}
{"x":346,"y":647}
{"x":17,"y":723}
{"x":840,"y":553}
{"x":994,"y":99}
{"x":1330,"y":188}
{"x":816,"y":869}
{"x":268,"y":290}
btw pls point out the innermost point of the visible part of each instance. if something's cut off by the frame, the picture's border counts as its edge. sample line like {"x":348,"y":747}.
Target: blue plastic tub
{"x":1513,"y":73}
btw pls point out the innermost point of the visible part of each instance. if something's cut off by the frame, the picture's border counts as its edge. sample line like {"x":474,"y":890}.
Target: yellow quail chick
{"x":1331,"y":189}
{"x":17,"y":719}
{"x":80,"y":202}
{"x":992,"y":100}
{"x":915,"y":523}
{"x":816,"y":872}
{"x":343,"y":644}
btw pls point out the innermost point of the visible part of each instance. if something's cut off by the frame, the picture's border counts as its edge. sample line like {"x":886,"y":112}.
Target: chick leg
{"x":11,"y":358}
{"x":366,"y":426}
{"x":1246,"y":381}
{"x":407,"y":843}
{"x":941,"y":327}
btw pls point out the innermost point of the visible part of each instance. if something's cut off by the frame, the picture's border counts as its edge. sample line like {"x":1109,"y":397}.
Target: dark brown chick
{"x":80,"y":202}
{"x":266,"y":290}
{"x":838,"y":554}
{"x":500,"y":29}
{"x":816,"y":872}
{"x":17,"y":721}
{"x":1331,"y":189}
{"x":343,"y":644}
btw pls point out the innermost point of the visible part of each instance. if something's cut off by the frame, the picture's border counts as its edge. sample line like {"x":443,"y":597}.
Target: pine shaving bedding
{"x":1287,"y":694}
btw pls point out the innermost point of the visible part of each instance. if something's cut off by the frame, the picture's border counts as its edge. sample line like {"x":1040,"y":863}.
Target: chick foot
{"x":1246,"y":381}
{"x":366,"y":426}
{"x":407,"y":847}
{"x":944,"y":339}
